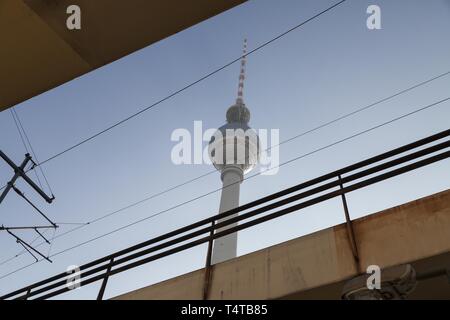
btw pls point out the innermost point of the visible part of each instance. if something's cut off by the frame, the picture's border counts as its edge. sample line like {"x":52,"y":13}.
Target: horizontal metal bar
{"x":260,"y":201}
{"x":330,"y":195}
{"x":284,"y":202}
{"x":260,"y":220}
{"x":300,"y":186}
{"x":25,"y":228}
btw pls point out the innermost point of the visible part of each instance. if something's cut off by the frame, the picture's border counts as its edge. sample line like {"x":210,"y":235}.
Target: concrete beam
{"x":406,"y":233}
{"x":38,"y":52}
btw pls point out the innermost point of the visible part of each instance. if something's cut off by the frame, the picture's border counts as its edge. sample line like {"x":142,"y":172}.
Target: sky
{"x":314,"y":74}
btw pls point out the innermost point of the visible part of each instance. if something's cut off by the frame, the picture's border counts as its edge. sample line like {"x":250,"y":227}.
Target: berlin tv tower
{"x":234,"y":151}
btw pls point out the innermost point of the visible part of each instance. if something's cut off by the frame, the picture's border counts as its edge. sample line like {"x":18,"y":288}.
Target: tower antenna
{"x":240,"y":96}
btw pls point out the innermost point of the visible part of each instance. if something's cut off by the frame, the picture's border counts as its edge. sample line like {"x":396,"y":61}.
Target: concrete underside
{"x":38,"y":52}
{"x":317,"y":265}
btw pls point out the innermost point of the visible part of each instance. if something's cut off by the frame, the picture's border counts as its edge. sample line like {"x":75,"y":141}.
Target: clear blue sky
{"x":327,"y":68}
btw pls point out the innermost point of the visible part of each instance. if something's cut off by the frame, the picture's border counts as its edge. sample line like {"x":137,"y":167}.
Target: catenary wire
{"x":309,"y":131}
{"x":191,"y":84}
{"x":174,"y":94}
{"x":259,"y":173}
{"x":23,"y":250}
{"x":194,"y":179}
{"x":246,"y":178}
{"x":33,"y":152}
{"x":16,"y":122}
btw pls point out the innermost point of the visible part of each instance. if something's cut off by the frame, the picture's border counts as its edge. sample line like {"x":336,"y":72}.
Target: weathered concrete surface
{"x":406,"y":233}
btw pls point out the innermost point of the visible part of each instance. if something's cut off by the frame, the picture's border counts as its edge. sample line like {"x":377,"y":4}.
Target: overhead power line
{"x":246,"y":178}
{"x":367,"y":107}
{"x":304,"y":133}
{"x":259,"y":173}
{"x":32,"y":151}
{"x":190,"y":85}
{"x":23,"y":141}
{"x":213,"y":171}
{"x":18,"y":130}
{"x":39,"y":164}
{"x":21,"y":129}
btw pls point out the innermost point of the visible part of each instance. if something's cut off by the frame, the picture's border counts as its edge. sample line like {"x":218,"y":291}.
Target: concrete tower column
{"x":225,"y":248}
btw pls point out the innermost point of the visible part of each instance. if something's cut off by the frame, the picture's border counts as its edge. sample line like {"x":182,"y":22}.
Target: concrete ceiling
{"x":38,"y":52}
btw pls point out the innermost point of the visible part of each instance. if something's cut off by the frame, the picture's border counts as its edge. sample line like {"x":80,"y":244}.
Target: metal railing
{"x":334,"y":184}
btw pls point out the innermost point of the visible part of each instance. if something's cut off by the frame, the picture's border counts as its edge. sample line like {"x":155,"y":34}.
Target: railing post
{"x":208,"y":266}
{"x":105,"y":281}
{"x":349,"y":225}
{"x":27,"y":294}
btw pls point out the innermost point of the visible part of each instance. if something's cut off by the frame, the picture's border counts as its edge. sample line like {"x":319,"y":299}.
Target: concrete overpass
{"x":38,"y":52}
{"x":317,"y":266}
{"x":414,"y":235}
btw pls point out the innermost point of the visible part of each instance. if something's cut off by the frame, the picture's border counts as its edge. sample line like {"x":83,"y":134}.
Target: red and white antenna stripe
{"x":240,"y":97}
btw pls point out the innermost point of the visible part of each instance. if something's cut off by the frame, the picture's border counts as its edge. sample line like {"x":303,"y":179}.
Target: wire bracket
{"x":28,"y":247}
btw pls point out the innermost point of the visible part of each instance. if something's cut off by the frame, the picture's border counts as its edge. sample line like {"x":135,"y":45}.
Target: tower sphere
{"x":238,"y":113}
{"x":235,"y":143}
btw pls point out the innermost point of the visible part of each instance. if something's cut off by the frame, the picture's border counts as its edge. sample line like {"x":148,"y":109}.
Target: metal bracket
{"x":19,"y":172}
{"x":208,"y":266}
{"x":105,"y":281}
{"x":27,"y":246}
{"x":349,"y":225}
{"x":22,"y":195}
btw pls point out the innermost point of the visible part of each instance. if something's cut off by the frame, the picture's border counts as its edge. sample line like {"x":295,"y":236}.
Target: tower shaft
{"x":225,"y":248}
